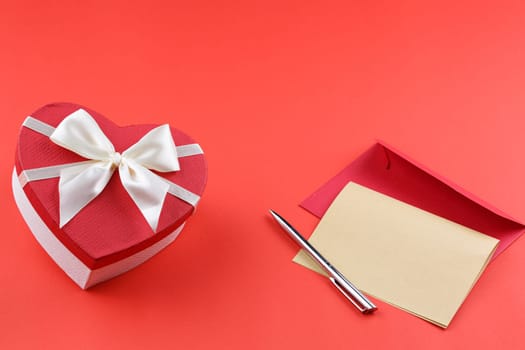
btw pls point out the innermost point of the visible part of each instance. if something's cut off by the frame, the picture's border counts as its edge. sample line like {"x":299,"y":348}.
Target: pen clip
{"x":363,"y":308}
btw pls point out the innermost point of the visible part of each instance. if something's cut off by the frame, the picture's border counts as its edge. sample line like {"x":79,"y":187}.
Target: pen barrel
{"x":337,"y":278}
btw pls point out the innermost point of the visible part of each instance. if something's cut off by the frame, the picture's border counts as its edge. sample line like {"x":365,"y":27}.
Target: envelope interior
{"x":387,"y":172}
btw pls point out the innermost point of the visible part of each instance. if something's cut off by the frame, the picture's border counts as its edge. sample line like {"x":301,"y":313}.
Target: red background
{"x":281,"y":95}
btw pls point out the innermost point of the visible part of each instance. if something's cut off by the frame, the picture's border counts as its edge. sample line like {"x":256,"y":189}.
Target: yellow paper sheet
{"x":405,"y":256}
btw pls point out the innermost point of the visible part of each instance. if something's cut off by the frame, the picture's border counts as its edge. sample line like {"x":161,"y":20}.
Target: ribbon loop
{"x":80,"y":133}
{"x":80,"y":184}
{"x":155,"y":150}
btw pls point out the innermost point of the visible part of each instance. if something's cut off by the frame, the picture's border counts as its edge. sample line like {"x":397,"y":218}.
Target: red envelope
{"x":386,"y":170}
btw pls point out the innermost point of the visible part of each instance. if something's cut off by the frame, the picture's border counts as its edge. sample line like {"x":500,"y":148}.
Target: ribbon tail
{"x":79,"y":185}
{"x":147,"y":190}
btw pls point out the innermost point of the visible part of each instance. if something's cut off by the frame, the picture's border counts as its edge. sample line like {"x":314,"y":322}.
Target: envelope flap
{"x":452,"y":185}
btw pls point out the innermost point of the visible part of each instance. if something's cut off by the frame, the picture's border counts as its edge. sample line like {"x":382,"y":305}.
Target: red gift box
{"x":113,"y":232}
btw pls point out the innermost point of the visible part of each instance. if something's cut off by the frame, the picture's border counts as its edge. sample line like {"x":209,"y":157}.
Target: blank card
{"x":403,"y":255}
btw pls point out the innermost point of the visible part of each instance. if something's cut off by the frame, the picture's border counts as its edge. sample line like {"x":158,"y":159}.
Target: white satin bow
{"x":80,"y":184}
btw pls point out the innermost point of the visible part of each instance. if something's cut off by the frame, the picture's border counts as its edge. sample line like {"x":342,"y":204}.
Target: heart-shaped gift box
{"x":99,"y":198}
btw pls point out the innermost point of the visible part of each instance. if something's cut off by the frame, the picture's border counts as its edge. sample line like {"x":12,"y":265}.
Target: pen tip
{"x":275,"y":215}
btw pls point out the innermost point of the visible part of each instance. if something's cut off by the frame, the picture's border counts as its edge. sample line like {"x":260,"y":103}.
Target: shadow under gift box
{"x":109,"y":236}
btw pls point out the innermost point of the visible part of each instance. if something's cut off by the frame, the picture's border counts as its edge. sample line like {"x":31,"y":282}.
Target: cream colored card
{"x":405,"y":256}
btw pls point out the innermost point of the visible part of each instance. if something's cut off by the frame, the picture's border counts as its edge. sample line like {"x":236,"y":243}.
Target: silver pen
{"x":340,"y":282}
